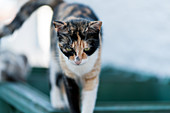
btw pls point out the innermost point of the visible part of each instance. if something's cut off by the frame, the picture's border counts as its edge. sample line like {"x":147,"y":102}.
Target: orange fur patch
{"x":79,"y":47}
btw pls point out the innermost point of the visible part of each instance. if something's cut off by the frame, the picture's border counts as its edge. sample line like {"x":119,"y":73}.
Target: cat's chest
{"x":80,"y":70}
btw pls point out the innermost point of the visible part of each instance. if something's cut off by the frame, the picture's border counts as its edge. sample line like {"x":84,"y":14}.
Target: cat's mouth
{"x":77,"y":62}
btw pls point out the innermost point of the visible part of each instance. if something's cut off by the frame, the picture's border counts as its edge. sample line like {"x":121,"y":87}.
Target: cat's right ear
{"x":59,"y":25}
{"x":94,"y":26}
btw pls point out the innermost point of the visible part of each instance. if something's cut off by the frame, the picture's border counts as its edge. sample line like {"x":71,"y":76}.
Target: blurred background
{"x":136,"y":47}
{"x":135,"y":32}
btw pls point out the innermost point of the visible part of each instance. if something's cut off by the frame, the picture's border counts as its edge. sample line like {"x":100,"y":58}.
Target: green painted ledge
{"x":25,"y":98}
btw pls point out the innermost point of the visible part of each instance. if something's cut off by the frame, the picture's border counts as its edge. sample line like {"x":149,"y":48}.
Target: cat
{"x":76,"y":43}
{"x":13,"y":67}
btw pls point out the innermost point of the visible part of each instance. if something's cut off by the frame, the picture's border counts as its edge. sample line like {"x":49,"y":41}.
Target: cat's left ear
{"x":59,"y":25}
{"x":95,"y":25}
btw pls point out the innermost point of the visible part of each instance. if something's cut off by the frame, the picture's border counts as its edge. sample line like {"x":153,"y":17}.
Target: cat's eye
{"x":68,"y":49}
{"x":87,"y":49}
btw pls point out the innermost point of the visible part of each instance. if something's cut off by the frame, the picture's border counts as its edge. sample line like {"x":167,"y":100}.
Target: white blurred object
{"x":7,"y":10}
{"x":44,"y":22}
{"x":25,"y":41}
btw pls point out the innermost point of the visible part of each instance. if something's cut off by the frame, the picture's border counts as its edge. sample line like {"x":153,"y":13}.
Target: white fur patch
{"x":66,"y":100}
{"x":89,"y":100}
{"x":54,"y":68}
{"x":85,"y":67}
{"x":55,"y":93}
{"x":56,"y":99}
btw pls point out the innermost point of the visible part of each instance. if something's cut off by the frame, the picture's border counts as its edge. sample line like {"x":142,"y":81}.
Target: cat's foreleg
{"x":89,"y":94}
{"x":73,"y":94}
{"x":55,"y":97}
{"x":55,"y":92}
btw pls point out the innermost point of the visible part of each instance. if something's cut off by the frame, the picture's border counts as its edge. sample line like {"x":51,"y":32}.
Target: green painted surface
{"x":27,"y":99}
{"x":4,"y":107}
{"x":116,"y":85}
{"x":133,"y":107}
{"x":119,"y":92}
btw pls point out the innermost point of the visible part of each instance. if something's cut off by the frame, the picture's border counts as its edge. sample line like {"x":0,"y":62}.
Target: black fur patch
{"x":93,"y":41}
{"x":68,"y":54}
{"x":59,"y":77}
{"x":73,"y":94}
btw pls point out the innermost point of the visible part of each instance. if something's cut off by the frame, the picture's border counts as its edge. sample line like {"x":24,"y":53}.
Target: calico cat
{"x":76,"y":44}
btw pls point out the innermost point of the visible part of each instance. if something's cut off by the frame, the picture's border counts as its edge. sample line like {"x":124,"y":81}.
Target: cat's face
{"x":78,"y":39}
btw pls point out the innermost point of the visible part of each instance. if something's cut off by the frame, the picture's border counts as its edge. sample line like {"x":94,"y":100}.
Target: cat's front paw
{"x":58,"y":104}
{"x":56,"y":100}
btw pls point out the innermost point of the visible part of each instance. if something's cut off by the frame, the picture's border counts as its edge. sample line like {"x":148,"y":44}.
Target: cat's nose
{"x":77,"y":60}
